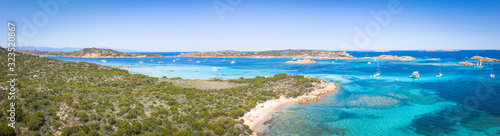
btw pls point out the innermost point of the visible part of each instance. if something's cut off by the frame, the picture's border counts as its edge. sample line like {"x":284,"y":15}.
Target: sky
{"x":254,"y":25}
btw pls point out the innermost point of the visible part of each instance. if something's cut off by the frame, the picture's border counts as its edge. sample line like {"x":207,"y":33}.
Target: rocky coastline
{"x":466,"y":63}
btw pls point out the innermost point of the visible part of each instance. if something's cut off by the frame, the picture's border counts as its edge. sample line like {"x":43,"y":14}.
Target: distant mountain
{"x":64,"y":49}
{"x":89,"y":53}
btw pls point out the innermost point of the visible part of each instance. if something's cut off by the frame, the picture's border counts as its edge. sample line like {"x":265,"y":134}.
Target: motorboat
{"x":415,"y":75}
{"x":215,"y":68}
{"x":104,"y":61}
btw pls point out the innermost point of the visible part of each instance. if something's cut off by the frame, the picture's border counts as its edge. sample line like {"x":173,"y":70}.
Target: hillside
{"x":317,"y":54}
{"x":77,"y":98}
{"x":89,"y":53}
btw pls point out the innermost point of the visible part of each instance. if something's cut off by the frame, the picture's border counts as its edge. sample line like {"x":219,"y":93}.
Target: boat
{"x":151,"y":60}
{"x":479,"y":64}
{"x":492,"y":75}
{"x":160,"y":61}
{"x":345,"y":75}
{"x":171,"y":70}
{"x":378,"y":71}
{"x":140,"y":62}
{"x":104,"y":61}
{"x":333,"y":62}
{"x":190,"y":60}
{"x":215,"y":68}
{"x":232,"y":62}
{"x":198,"y":61}
{"x":369,"y":62}
{"x":415,"y":75}
{"x":439,"y":74}
{"x":173,"y":60}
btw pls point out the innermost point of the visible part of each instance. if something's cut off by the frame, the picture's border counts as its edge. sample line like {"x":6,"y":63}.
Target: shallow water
{"x":465,"y":101}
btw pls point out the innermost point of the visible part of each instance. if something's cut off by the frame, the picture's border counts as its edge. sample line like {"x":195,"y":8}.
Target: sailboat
{"x":378,"y":71}
{"x":439,"y":74}
{"x":479,"y":64}
{"x":492,"y":75}
{"x":224,"y":59}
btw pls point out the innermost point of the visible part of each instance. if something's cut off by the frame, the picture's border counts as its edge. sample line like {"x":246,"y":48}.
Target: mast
{"x":378,"y":68}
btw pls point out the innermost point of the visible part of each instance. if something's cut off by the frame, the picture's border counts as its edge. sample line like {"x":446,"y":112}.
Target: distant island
{"x":311,"y":54}
{"x":391,"y":57}
{"x":90,"y":53}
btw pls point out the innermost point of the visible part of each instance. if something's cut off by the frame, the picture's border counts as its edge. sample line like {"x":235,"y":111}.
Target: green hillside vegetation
{"x":78,"y":98}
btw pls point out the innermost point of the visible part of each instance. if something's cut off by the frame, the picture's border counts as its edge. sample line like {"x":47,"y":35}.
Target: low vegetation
{"x":78,"y":98}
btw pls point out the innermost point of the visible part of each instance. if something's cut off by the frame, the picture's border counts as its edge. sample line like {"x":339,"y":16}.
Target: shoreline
{"x":264,"y":111}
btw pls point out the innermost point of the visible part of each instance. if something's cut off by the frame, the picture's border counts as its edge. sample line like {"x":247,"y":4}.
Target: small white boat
{"x":215,"y":68}
{"x":160,"y":61}
{"x":151,"y":60}
{"x":140,"y":62}
{"x":376,"y":74}
{"x":173,"y":60}
{"x":369,"y":62}
{"x":415,"y":75}
{"x":104,"y":61}
{"x":171,"y":70}
{"x":396,"y":79}
{"x":439,"y":75}
{"x":232,"y":62}
{"x":198,"y":61}
{"x":190,"y":60}
{"x":492,"y":75}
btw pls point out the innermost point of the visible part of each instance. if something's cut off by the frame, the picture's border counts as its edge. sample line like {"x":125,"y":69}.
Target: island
{"x":90,"y":53}
{"x":303,"y":61}
{"x":81,"y":98}
{"x":485,"y":59}
{"x":391,"y":57}
{"x":301,"y":53}
{"x":435,"y":59}
{"x":466,"y":63}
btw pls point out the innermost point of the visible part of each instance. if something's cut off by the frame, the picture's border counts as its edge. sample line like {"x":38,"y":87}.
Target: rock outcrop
{"x":391,"y":57}
{"x":303,"y":61}
{"x":314,"y":96}
{"x":485,"y":59}
{"x":122,"y":66}
{"x":466,"y":63}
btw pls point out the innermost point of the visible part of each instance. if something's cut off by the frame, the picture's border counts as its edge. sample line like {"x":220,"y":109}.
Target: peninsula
{"x":312,"y":54}
{"x":90,"y":53}
{"x":299,"y":61}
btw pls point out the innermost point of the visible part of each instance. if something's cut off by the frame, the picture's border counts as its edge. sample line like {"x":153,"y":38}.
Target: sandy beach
{"x":264,"y":111}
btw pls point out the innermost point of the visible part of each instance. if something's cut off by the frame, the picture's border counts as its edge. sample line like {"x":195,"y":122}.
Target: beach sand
{"x":264,"y":111}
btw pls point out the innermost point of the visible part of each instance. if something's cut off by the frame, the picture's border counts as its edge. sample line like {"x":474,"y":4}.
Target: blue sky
{"x":253,"y":25}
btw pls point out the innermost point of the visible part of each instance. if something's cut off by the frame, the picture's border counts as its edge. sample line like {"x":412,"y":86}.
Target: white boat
{"x":140,"y":62}
{"x":160,"y":61}
{"x":479,"y":64}
{"x":369,"y":62}
{"x":439,"y":74}
{"x":171,"y":70}
{"x":378,"y":71}
{"x":151,"y":60}
{"x":232,"y":62}
{"x":190,"y":60}
{"x":415,"y":75}
{"x":215,"y":68}
{"x":104,"y":61}
{"x":198,"y":61}
{"x":173,"y":60}
{"x":492,"y":75}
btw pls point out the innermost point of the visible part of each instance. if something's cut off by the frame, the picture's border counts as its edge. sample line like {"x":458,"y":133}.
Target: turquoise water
{"x":465,"y":101}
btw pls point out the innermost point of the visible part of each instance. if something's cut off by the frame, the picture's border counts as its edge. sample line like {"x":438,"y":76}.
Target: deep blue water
{"x":465,"y":101}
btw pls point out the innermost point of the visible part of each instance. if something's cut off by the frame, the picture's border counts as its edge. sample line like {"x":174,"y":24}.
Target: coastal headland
{"x":89,"y":53}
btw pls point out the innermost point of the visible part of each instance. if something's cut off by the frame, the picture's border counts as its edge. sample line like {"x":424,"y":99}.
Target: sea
{"x":464,"y":101}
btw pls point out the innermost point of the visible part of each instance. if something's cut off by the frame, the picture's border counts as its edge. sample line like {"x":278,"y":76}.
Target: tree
{"x":36,"y":121}
{"x":182,"y":133}
{"x":219,"y":130}
{"x":5,"y":130}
